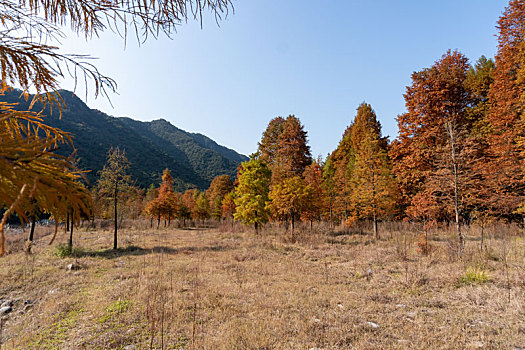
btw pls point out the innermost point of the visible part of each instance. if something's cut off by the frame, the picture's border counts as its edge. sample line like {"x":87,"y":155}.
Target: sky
{"x":317,"y":60}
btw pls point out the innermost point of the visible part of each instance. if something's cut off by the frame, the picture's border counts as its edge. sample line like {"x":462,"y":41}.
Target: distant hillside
{"x":194,"y":159}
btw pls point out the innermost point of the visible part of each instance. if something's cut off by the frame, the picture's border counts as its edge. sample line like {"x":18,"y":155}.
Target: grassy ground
{"x":215,"y":289}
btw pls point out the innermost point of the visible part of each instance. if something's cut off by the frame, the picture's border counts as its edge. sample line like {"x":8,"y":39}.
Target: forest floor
{"x":214,"y":289}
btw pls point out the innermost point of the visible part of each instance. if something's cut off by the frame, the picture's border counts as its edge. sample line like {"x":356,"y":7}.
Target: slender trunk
{"x":70,"y":243}
{"x":331,"y":218}
{"x":482,"y":237}
{"x":455,"y":175}
{"x":256,"y":227}
{"x":344,"y":196}
{"x":376,"y":232}
{"x":158,"y":222}
{"x":29,"y":242}
{"x":67,"y":222}
{"x":32,"y":230}
{"x":151,"y":222}
{"x":169,"y":220}
{"x":116,"y":216}
{"x":292,"y":217}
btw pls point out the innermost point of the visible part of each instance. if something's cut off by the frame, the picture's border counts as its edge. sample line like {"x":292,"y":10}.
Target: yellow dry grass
{"x":215,"y":289}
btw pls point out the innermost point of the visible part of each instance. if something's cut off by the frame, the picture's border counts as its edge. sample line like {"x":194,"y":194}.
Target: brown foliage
{"x":284,"y":148}
{"x":219,"y":188}
{"x":507,"y":96}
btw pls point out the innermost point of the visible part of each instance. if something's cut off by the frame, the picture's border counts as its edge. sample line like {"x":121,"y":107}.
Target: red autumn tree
{"x":189,"y":199}
{"x":284,"y":148}
{"x":507,"y":97}
{"x":434,"y":154}
{"x":269,"y":141}
{"x":293,"y":152}
{"x":166,"y":205}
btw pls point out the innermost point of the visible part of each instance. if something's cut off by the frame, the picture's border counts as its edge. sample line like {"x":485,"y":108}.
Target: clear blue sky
{"x":316,"y":59}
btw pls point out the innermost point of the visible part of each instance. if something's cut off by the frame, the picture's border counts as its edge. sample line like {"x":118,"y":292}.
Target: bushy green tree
{"x":252,"y":193}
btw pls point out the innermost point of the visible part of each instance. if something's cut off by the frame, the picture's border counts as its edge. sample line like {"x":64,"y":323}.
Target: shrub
{"x":62,"y":251}
{"x":474,"y":275}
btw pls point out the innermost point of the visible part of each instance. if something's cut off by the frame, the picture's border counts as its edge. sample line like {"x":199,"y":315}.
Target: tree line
{"x":458,"y":158}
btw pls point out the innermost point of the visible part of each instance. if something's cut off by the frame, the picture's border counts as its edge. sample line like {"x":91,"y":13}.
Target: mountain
{"x":193,"y":159}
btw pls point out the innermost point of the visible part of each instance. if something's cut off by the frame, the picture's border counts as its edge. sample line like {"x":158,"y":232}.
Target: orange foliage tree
{"x":219,"y":188}
{"x":313,"y":177}
{"x":284,"y":148}
{"x":435,"y":152}
{"x":228,"y":206}
{"x":373,"y":186}
{"x":507,"y":101}
{"x":290,"y":198}
{"x":167,"y":203}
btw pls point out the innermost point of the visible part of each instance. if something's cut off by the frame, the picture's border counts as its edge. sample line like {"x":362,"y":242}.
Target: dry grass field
{"x":217,"y":289}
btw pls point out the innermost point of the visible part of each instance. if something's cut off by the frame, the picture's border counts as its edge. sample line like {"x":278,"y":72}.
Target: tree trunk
{"x":32,"y":230}
{"x":70,"y":243}
{"x":151,"y":222}
{"x":455,"y":175}
{"x":482,"y":237}
{"x":256,"y":227}
{"x":292,"y":218}
{"x":376,"y":232}
{"x":29,"y":242}
{"x":116,"y":220}
{"x":67,"y":222}
{"x":331,"y":218}
{"x":158,"y":222}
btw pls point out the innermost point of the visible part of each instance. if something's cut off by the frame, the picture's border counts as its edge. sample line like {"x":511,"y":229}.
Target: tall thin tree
{"x":114,"y":180}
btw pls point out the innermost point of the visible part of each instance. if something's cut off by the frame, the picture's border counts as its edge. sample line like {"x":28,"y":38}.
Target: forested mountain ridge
{"x":194,"y":159}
